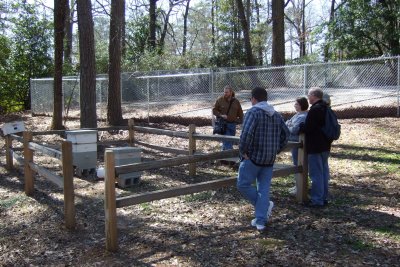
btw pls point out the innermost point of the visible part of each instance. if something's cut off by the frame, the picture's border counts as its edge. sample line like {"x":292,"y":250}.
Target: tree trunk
{"x":327,"y":51}
{"x":246,"y":35}
{"x":152,"y":24}
{"x":68,"y":32}
{"x":260,"y":47}
{"x":59,"y":23}
{"x":213,"y":23}
{"x":165,"y":28}
{"x":185,"y":28}
{"x":278,"y":43}
{"x":88,"y":117}
{"x":303,"y":31}
{"x":114,"y":112}
{"x":278,"y":33}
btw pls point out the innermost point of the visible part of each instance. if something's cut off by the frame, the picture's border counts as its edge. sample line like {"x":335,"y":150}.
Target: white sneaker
{"x":271,"y":206}
{"x":258,"y":226}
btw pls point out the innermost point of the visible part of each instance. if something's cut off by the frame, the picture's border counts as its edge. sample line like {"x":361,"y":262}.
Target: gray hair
{"x":316,"y":91}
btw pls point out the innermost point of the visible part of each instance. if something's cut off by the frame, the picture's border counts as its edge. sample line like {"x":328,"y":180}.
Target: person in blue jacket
{"x":293,"y":124}
{"x":264,"y":135}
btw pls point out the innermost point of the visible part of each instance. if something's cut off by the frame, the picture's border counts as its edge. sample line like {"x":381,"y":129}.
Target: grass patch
{"x":146,"y":207}
{"x":359,"y":244}
{"x":198,"y":197}
{"x":11,"y":202}
{"x":388,"y":232}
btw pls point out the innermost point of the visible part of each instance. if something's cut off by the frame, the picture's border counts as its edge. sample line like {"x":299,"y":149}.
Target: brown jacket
{"x":235,"y":112}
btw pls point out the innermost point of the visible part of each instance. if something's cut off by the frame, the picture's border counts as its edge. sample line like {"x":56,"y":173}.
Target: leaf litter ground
{"x":360,"y":227}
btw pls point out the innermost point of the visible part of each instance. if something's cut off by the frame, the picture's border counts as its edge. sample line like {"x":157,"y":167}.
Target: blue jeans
{"x":230,"y":130}
{"x":318,"y":170}
{"x":257,"y":195}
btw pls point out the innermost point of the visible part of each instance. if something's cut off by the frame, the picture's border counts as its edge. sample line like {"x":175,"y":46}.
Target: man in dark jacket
{"x":318,"y":148}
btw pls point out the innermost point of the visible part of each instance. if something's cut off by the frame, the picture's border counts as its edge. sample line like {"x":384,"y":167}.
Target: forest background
{"x":87,"y":38}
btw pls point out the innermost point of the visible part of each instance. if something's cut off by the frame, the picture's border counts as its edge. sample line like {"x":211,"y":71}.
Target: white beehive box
{"x":82,"y":136}
{"x":13,"y":127}
{"x":84,"y":148}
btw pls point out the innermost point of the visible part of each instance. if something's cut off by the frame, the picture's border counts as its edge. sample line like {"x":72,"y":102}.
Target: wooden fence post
{"x":28,"y":157}
{"x":131,"y":132}
{"x":68,"y":175}
{"x":192,"y":149}
{"x":110,"y":205}
{"x":302,"y":178}
{"x":9,"y":156}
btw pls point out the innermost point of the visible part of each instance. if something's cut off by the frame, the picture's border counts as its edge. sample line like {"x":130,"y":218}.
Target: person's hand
{"x":224,"y":117}
{"x":245,"y":156}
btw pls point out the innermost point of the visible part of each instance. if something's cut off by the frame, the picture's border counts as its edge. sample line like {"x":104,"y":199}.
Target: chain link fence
{"x":360,"y":86}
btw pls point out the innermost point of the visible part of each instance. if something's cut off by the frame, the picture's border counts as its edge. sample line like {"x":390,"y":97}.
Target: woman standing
{"x":301,"y":106}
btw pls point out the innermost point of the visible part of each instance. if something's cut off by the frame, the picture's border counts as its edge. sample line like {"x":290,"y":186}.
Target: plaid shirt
{"x":264,"y":134}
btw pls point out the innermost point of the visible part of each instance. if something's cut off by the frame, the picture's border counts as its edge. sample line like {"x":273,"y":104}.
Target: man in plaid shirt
{"x":264,"y":134}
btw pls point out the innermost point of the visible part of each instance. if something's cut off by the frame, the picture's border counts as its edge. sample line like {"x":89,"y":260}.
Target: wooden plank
{"x":49,"y":175}
{"x":161,"y":132}
{"x":163,"y":148}
{"x":17,"y":137}
{"x":68,"y":175}
{"x":195,"y":188}
{"x":9,"y":152}
{"x":290,"y":145}
{"x":28,"y":158}
{"x":207,"y":137}
{"x":192,"y":149}
{"x":110,"y":207}
{"x":174,"y":161}
{"x":302,"y":177}
{"x":174,"y":192}
{"x":45,"y":150}
{"x":18,"y":158}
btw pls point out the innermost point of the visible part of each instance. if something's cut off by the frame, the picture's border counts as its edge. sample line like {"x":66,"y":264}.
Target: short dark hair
{"x":302,"y":102}
{"x":260,"y":94}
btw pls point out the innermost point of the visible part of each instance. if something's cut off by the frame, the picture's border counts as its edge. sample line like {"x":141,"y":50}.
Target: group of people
{"x":264,"y":134}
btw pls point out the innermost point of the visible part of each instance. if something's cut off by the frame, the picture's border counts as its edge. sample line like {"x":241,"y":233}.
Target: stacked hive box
{"x":84,"y":151}
{"x":124,"y":156}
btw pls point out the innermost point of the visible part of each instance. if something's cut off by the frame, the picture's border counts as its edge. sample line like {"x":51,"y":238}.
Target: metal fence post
{"x":212,"y":83}
{"x":305,"y":80}
{"x":398,"y":86}
{"x":148,"y":100}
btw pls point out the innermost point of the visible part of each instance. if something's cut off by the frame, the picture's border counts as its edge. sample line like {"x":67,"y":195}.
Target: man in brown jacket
{"x":228,"y":108}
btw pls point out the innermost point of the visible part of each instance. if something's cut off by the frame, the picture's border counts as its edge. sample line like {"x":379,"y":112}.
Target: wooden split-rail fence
{"x":30,"y":167}
{"x":111,"y":201}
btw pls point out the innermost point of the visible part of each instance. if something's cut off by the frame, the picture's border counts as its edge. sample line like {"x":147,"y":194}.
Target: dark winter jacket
{"x":316,"y":142}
